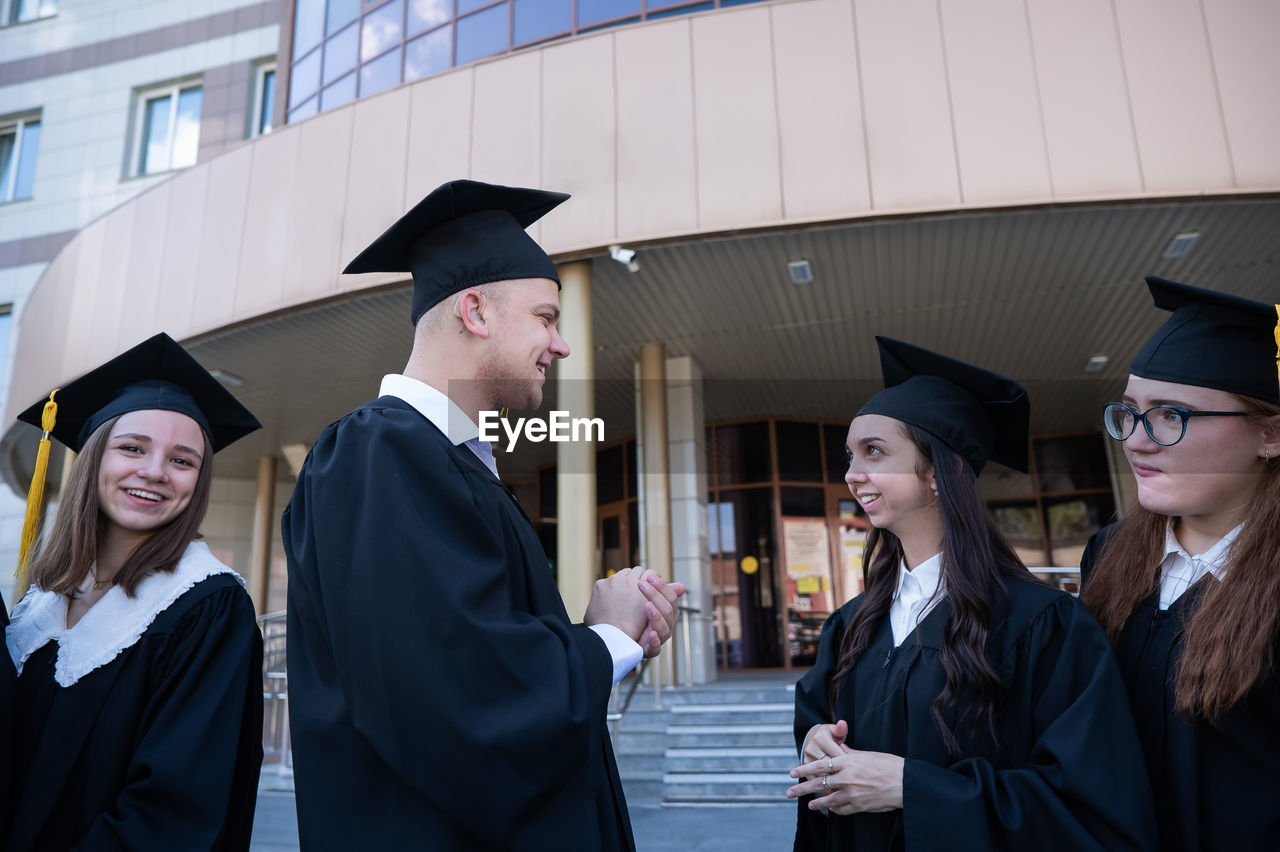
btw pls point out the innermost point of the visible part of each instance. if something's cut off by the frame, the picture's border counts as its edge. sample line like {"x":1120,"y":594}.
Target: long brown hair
{"x":65,"y":559}
{"x":1229,"y":642}
{"x":976,"y":559}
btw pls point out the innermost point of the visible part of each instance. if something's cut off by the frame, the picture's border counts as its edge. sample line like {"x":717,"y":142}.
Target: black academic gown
{"x":1067,"y":773}
{"x":8,"y":678}
{"x":439,"y":696}
{"x":158,"y":749}
{"x":1217,"y":787}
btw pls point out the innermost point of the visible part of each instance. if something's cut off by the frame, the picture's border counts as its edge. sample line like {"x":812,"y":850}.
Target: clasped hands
{"x":639,"y":603}
{"x":846,"y":781}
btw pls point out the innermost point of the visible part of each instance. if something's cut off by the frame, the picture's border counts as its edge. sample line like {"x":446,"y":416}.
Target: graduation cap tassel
{"x":1278,"y":344}
{"x":31,"y":522}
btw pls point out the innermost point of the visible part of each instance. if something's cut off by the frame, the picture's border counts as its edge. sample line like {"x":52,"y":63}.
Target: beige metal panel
{"x":992,"y":75}
{"x":824,"y":152}
{"x":910,"y":141}
{"x":1173,"y":92}
{"x":657,"y":168}
{"x":259,"y":286}
{"x":77,"y":312}
{"x":182,"y":231}
{"x":218,"y":260}
{"x":315,"y":212}
{"x":146,"y":256}
{"x":1085,"y":104}
{"x":44,"y":323}
{"x":376,"y":170}
{"x":578,"y":133}
{"x":439,"y":133}
{"x":739,"y":174}
{"x":1242,"y":38}
{"x":110,"y":281}
{"x":506,"y":133}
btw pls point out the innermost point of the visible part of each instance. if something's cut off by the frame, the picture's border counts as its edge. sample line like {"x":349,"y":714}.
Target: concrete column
{"x":655,"y":491}
{"x":690,"y":553}
{"x":576,"y":460}
{"x":1124,"y":488}
{"x":263,"y":523}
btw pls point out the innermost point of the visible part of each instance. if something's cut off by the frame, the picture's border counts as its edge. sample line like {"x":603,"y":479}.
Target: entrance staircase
{"x":726,"y":743}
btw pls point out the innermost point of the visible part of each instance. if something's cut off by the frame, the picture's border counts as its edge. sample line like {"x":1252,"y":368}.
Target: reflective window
{"x":425,"y":14}
{"x":595,"y":11}
{"x":305,"y":80}
{"x":264,"y":100}
{"x":169,"y":135}
{"x":465,"y":6}
{"x":340,"y":54}
{"x":341,"y":92}
{"x":429,"y":54}
{"x":681,"y":10}
{"x":537,"y":19}
{"x":19,"y":142}
{"x":380,"y":30}
{"x":306,"y":110}
{"x":29,"y":10}
{"x":380,"y":74}
{"x":341,"y":13}
{"x":308,"y":25}
{"x":483,"y":34}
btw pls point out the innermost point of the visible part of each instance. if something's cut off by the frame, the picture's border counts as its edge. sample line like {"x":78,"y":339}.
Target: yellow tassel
{"x":1278,"y":343}
{"x":31,"y":523}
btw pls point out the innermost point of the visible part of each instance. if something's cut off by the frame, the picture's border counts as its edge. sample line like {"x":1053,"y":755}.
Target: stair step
{"x":693,"y":801}
{"x":757,"y":728}
{"x":732,"y":708}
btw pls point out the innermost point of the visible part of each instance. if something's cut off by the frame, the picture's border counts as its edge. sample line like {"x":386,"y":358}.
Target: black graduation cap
{"x":463,"y":234}
{"x":157,"y":373}
{"x":1213,"y":340}
{"x":980,"y":414}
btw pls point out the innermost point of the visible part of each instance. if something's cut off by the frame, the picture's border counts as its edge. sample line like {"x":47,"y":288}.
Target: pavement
{"x":657,"y":829}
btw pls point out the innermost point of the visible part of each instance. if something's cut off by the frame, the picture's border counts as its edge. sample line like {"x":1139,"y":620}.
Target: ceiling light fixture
{"x":800,"y":271}
{"x":229,"y":379}
{"x":1096,"y":363}
{"x":1180,"y":245}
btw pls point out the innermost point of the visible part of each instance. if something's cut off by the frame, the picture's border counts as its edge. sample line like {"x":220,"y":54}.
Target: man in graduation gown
{"x":440,"y":697}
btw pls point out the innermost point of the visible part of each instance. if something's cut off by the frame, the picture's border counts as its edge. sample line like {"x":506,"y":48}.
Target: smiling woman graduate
{"x":958,"y":704}
{"x":138,"y":705}
{"x":1188,"y":584}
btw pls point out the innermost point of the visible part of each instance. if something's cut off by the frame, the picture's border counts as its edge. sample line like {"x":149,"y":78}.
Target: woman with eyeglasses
{"x":1188,"y":584}
{"x":958,"y":704}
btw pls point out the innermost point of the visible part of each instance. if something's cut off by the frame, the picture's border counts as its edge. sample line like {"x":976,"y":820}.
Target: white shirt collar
{"x":112,"y":625}
{"x":918,"y":592}
{"x":443,"y":412}
{"x":924,"y":580}
{"x":1180,"y":570}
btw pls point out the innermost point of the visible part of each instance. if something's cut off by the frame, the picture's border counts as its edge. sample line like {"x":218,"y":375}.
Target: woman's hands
{"x":850,"y":782}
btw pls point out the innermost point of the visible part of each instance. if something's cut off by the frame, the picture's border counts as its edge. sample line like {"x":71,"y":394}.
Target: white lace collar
{"x":116,"y":622}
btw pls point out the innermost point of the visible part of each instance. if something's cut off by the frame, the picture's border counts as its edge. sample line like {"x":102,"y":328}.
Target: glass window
{"x":186,"y":130}
{"x":1072,"y":521}
{"x":430,"y":54}
{"x":379,"y":31}
{"x":264,"y":100}
{"x":483,"y":34}
{"x":547,"y":494}
{"x":802,"y":502}
{"x":465,"y":6}
{"x":595,"y":11}
{"x":1072,"y":463}
{"x":742,"y":452}
{"x":155,"y":145}
{"x":30,"y":10}
{"x":425,"y":14}
{"x":169,"y":136}
{"x":340,"y":54}
{"x":341,"y":13}
{"x":341,"y":92}
{"x":306,"y":110}
{"x":380,"y":74}
{"x":537,"y":19}
{"x":19,"y":142}
{"x":308,"y":25}
{"x":682,"y":10}
{"x":799,"y":456}
{"x":1020,"y":524}
{"x":837,"y":461}
{"x":609,"y":475}
{"x":305,"y":80}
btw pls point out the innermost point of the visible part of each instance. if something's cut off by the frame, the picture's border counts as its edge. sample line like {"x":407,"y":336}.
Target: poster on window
{"x":806,"y":548}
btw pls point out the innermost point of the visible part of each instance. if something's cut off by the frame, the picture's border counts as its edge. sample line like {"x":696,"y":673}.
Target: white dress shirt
{"x":919,"y":591}
{"x":446,"y":416}
{"x":1180,"y":570}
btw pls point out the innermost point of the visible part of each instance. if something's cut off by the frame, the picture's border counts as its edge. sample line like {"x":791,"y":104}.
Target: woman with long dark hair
{"x":1188,"y":584}
{"x":958,"y":703}
{"x":138,"y":703}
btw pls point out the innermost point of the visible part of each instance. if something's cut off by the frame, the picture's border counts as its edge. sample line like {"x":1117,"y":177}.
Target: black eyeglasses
{"x":1166,"y":424}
